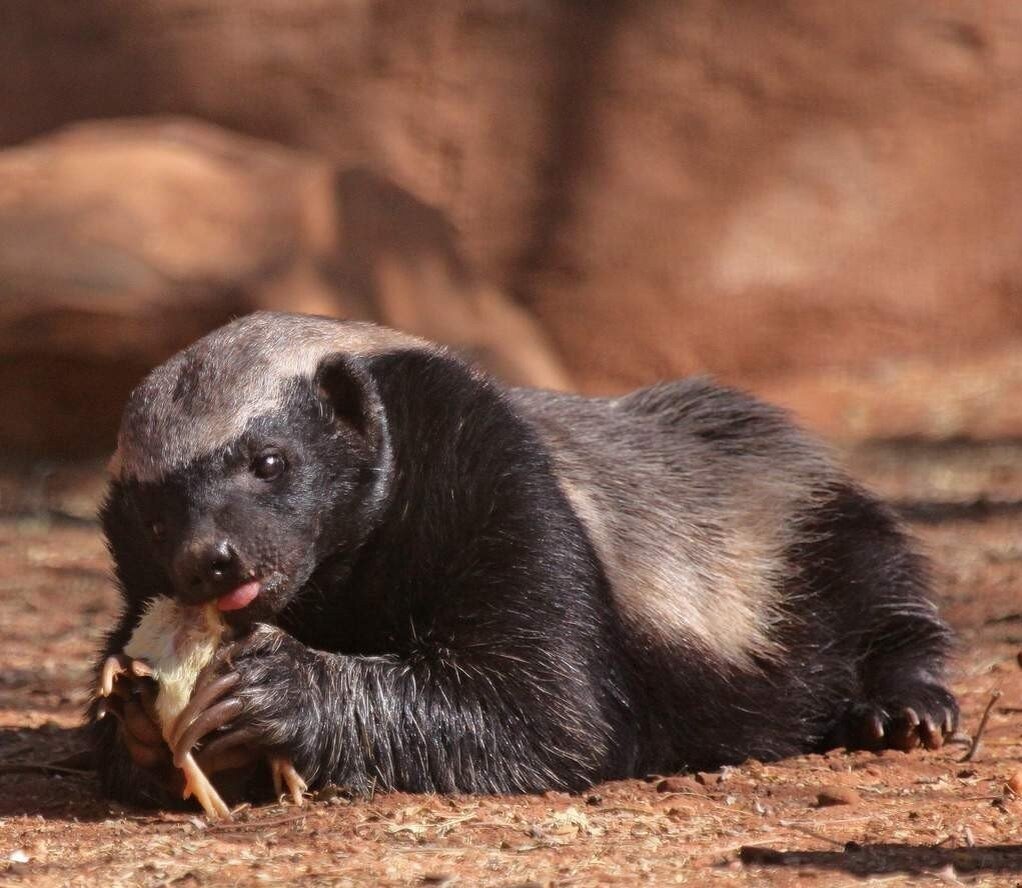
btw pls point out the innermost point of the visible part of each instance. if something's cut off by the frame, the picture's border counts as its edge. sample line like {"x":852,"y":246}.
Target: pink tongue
{"x":241,"y":597}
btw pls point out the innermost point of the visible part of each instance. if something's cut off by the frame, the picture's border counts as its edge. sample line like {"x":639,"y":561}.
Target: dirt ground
{"x":925,"y":818}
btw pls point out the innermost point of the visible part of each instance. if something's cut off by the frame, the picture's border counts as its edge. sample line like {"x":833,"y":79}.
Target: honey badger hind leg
{"x":905,"y":700}
{"x":865,"y":573}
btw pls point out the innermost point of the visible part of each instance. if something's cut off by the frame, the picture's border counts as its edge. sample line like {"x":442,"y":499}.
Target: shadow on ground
{"x":879,"y":859}
{"x":47,"y":771}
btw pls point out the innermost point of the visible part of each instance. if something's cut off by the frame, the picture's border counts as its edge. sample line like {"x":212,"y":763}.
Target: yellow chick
{"x":175,"y":642}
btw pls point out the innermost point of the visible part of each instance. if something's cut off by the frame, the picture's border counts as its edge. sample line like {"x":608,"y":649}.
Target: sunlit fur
{"x":482,"y":589}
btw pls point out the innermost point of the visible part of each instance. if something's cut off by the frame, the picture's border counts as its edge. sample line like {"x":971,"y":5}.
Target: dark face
{"x":248,"y":525}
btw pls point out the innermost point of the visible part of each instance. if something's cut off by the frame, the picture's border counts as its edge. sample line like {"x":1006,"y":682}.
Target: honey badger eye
{"x":158,"y":529}
{"x":268,"y":466}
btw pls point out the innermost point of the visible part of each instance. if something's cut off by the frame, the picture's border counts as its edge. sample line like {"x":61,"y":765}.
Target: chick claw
{"x":284,"y":774}
{"x":197,"y":784}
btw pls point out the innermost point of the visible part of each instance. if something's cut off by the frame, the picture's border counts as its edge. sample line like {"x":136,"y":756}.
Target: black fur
{"x":438,"y":619}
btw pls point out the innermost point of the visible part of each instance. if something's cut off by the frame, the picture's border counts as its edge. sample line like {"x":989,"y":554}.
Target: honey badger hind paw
{"x":905,"y":717}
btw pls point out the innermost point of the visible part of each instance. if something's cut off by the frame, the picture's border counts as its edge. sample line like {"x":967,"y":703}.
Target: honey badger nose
{"x":209,"y":568}
{"x":222,"y":559}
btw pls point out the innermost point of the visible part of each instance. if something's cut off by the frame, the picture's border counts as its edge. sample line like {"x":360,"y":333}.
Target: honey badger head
{"x":248,"y":459}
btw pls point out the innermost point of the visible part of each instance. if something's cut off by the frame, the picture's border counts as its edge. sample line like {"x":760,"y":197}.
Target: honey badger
{"x":439,"y":584}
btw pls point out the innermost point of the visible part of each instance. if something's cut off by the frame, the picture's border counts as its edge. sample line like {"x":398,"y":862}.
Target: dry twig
{"x":978,"y":736}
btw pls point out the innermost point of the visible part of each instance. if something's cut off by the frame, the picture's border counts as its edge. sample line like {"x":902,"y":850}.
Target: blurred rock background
{"x":821,"y":202}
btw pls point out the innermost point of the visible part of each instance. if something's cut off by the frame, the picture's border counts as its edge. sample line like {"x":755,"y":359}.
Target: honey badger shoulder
{"x":469,"y":588}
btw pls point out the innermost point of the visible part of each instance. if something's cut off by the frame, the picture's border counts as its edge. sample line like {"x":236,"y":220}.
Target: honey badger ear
{"x":349,"y":392}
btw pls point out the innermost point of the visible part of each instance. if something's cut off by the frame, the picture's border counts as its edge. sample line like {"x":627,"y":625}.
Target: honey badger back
{"x":776,"y":606}
{"x":464,"y":588}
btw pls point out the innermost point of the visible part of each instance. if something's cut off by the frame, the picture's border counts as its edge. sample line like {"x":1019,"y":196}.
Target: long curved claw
{"x":905,"y":735}
{"x":215,"y":717}
{"x":950,"y":722}
{"x":285,"y":775}
{"x":930,"y":734}
{"x":874,"y":728}
{"x":202,"y":699}
{"x":114,"y":667}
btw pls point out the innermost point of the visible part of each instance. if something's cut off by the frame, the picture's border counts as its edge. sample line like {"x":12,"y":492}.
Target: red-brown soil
{"x":923,"y":818}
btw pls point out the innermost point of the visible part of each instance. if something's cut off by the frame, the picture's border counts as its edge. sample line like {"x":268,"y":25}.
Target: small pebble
{"x":709,"y":779}
{"x":679,"y":784}
{"x":1014,"y":784}
{"x":553,"y":795}
{"x":837,"y":795}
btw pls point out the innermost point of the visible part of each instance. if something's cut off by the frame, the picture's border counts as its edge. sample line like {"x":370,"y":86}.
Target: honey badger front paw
{"x":126,"y":694}
{"x":256,"y":700}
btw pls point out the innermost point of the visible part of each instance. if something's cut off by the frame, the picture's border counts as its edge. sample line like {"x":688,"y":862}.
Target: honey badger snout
{"x":207,"y":566}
